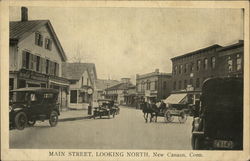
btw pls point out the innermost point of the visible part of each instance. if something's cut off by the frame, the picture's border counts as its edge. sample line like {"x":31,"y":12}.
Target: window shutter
{"x":36,"y":39}
{"x":24,"y":59}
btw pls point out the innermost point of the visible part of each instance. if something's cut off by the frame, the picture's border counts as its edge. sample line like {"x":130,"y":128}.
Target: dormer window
{"x":48,"y":44}
{"x":39,"y":39}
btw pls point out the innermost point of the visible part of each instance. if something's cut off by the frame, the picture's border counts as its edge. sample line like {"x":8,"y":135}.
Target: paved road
{"x":127,"y":130}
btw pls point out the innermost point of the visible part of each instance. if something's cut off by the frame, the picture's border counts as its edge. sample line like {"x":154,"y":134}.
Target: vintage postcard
{"x":125,"y":80}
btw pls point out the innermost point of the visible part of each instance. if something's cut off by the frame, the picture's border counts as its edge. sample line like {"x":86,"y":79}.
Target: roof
{"x":236,"y":45}
{"x":153,"y":74}
{"x":74,"y":71}
{"x":104,"y":83}
{"x":197,"y":51}
{"x":37,"y":89}
{"x":120,"y":86}
{"x":21,"y":29}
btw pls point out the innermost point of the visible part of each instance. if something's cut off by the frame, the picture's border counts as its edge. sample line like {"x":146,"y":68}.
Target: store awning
{"x":178,"y":98}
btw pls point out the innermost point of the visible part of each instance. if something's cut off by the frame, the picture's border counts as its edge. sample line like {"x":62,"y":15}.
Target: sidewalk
{"x":72,"y":115}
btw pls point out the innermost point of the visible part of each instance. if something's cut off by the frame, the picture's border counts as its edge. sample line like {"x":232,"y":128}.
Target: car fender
{"x":18,"y":109}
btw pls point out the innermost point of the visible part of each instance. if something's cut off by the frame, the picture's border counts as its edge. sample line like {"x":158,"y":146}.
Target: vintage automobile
{"x":105,"y":107}
{"x":27,"y":105}
{"x":218,"y":123}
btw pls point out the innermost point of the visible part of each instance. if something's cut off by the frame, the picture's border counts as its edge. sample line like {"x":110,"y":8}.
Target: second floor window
{"x":213,"y":62}
{"x":229,"y":64}
{"x":197,"y":82}
{"x":192,"y":67}
{"x":185,"y":68}
{"x":48,"y":44}
{"x":175,"y":70}
{"x":198,"y":65}
{"x":179,"y":84}
{"x":38,"y":39}
{"x":239,"y":62}
{"x":185,"y":83}
{"x":205,"y":63}
{"x":164,"y":85}
{"x":174,"y":85}
{"x":180,"y":69}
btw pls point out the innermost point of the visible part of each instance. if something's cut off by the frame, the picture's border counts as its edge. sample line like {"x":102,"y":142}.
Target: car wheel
{"x":53,"y":118}
{"x":31,"y":122}
{"x":20,"y":120}
{"x":182,"y":118}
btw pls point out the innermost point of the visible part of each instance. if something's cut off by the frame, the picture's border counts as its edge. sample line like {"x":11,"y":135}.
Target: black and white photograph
{"x":115,"y":82}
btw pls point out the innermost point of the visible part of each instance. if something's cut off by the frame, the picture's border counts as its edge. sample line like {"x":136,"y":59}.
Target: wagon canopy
{"x":177,"y":98}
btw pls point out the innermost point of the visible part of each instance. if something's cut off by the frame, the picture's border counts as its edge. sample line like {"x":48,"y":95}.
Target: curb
{"x":74,"y":118}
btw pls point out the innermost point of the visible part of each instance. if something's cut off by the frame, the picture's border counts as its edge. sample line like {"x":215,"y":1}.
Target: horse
{"x":151,"y":109}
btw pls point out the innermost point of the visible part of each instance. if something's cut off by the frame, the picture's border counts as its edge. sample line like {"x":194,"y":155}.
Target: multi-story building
{"x":82,"y":78}
{"x":102,"y":84}
{"x":119,"y":91}
{"x":36,"y":56}
{"x":190,"y":70}
{"x":153,"y":86}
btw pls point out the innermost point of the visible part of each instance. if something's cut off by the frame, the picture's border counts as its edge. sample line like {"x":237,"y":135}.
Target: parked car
{"x":218,"y":125}
{"x":27,"y":105}
{"x":105,"y":107}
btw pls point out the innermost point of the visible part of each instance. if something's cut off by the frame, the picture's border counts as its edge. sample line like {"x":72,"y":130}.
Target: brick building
{"x":191,"y":69}
{"x":153,"y":86}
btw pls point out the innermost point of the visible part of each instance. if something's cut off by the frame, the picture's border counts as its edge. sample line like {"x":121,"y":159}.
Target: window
{"x":26,"y":60}
{"x":48,"y":44}
{"x":180,"y":69}
{"x":213,"y":62}
{"x":156,"y":85}
{"x":152,"y":86}
{"x":205,"y":63}
{"x":38,"y":64}
{"x":192,"y":66}
{"x":229,"y":64}
{"x":82,"y":81}
{"x":197,"y":82}
{"x":191,"y":82}
{"x":33,"y":62}
{"x":175,"y":70}
{"x":174,"y":85}
{"x":164,"y":85}
{"x":198,"y":65}
{"x":38,"y":39}
{"x":185,"y":68}
{"x":179,"y":84}
{"x":73,"y":96}
{"x":56,"y":69}
{"x":239,"y":62}
{"x":47,"y":66}
{"x":185,"y":84}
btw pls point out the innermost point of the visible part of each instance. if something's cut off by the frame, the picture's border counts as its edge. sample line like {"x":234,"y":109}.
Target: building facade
{"x":190,"y":70}
{"x":153,"y":86}
{"x":119,"y":91}
{"x":101,"y":85}
{"x":36,"y":56}
{"x":82,"y":79}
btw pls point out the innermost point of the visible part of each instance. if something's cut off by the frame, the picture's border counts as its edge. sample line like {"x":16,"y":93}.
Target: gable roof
{"x":104,"y":83}
{"x":74,"y":71}
{"x":120,"y":86}
{"x":21,"y":29}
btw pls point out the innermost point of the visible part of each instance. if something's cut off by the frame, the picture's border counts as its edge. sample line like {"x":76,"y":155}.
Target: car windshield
{"x":20,"y":96}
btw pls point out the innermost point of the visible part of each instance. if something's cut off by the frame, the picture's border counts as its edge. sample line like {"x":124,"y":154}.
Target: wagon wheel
{"x":182,"y":118}
{"x":168,"y":117}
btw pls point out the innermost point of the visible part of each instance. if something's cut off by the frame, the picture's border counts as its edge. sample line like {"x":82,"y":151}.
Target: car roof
{"x":35,"y":89}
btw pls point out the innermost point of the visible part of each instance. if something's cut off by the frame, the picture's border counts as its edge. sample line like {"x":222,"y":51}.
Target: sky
{"x":123,"y":42}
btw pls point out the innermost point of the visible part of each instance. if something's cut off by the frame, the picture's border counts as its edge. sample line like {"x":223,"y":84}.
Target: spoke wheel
{"x":53,"y":119}
{"x":20,"y":120}
{"x":168,"y":117}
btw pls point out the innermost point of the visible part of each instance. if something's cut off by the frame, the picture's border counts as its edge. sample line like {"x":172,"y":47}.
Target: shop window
{"x":174,"y":85}
{"x":213,"y":62}
{"x":205,"y":63}
{"x":38,"y":39}
{"x":185,"y":84}
{"x":48,"y":44}
{"x":198,"y":67}
{"x":73,"y":96}
{"x":197,"y":82}
{"x":179,"y":84}
{"x":239,"y":62}
{"x":229,"y":64}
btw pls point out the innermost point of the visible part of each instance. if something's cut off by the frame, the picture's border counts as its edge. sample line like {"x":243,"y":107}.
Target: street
{"x":127,"y":130}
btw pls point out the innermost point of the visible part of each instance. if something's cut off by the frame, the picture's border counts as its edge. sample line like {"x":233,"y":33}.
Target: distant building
{"x":101,"y":85}
{"x":82,"y":77}
{"x":36,"y":56}
{"x":153,"y":86}
{"x":190,"y":70}
{"x":118,"y":92}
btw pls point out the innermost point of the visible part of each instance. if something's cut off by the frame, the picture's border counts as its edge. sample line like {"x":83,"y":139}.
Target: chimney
{"x":157,"y":70}
{"x":24,"y":14}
